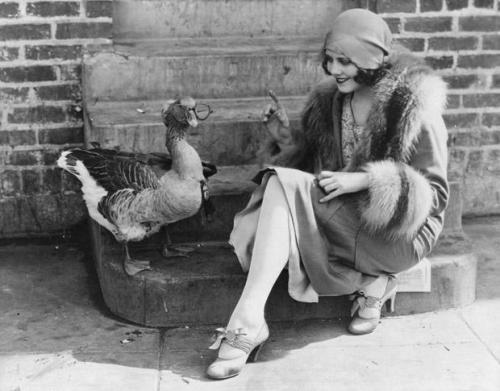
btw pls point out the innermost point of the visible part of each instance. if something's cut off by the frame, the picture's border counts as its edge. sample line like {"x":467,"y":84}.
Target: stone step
{"x":205,"y":68}
{"x":231,"y":135}
{"x":203,"y":288}
{"x":146,"y":19}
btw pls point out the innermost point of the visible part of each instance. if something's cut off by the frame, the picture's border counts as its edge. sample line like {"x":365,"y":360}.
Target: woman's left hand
{"x":335,"y":183}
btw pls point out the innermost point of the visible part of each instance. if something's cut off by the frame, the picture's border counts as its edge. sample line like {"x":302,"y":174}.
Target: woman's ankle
{"x":250,"y":324}
{"x":377,"y":287}
{"x":248,"y":318}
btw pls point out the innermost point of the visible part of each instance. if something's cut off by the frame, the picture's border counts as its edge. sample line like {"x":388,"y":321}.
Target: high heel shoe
{"x":223,"y":368}
{"x":367,"y":309}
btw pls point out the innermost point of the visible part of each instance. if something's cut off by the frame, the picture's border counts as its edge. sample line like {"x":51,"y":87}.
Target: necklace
{"x":352,"y":111}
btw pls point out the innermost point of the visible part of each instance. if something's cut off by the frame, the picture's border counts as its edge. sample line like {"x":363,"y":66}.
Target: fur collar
{"x":409,"y":93}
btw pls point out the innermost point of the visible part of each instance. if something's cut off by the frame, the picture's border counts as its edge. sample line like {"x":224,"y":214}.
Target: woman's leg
{"x":270,"y":254}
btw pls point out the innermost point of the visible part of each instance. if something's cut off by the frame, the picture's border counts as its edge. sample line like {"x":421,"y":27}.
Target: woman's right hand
{"x":276,"y":121}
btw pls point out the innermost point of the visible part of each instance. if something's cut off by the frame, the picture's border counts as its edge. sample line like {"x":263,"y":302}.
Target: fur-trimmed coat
{"x":403,"y":149}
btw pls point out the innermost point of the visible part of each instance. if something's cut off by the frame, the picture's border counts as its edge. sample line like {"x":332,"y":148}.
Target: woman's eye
{"x":328,"y":59}
{"x":344,"y":61}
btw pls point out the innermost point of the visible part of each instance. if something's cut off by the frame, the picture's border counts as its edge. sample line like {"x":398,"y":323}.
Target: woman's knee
{"x":274,"y":189}
{"x":273,"y":181}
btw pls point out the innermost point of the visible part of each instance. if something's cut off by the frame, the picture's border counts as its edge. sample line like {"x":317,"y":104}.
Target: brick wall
{"x":42,"y":44}
{"x":41,"y":47}
{"x":461,"y":39}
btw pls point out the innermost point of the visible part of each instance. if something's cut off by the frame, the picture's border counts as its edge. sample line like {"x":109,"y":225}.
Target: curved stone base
{"x":204,"y":287}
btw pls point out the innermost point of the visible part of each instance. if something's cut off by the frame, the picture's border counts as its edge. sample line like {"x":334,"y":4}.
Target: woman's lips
{"x":341,"y":80}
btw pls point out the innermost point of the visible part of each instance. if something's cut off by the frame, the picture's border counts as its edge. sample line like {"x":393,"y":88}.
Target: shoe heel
{"x":254,"y":354}
{"x":391,"y":302}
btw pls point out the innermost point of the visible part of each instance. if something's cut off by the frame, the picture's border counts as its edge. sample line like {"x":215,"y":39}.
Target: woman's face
{"x":343,"y":70}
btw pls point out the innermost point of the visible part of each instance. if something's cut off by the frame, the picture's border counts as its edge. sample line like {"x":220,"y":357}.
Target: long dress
{"x":331,"y":253}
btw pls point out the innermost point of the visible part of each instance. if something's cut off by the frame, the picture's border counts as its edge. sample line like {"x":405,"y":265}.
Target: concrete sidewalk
{"x":56,"y":335}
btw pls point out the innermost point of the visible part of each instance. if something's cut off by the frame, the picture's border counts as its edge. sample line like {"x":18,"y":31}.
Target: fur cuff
{"x":399,"y":201}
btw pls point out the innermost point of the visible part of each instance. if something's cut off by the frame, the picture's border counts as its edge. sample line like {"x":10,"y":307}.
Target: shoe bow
{"x":231,"y":336}
{"x":361,"y":301}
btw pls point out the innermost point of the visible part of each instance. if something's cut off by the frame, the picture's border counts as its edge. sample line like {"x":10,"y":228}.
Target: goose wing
{"x":160,"y":162}
{"x":117,"y":172}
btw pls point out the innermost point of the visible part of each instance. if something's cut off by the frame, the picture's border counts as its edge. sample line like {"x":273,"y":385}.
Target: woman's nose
{"x":334,"y":67}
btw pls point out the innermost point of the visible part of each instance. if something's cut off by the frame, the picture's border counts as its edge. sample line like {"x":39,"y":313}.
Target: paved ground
{"x":56,"y":334}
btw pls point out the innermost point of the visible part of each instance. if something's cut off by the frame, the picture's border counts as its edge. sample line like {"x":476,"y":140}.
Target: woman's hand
{"x":276,"y":121}
{"x":335,"y":183}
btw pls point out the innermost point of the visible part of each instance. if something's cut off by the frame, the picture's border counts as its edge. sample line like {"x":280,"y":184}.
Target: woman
{"x":363,"y":194}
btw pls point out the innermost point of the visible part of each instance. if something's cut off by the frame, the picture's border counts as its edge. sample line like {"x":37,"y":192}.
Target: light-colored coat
{"x":403,"y":149}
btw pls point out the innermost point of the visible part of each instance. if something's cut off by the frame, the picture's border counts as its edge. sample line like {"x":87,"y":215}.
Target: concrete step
{"x":204,"y":287}
{"x":205,"y":68}
{"x":200,"y":18}
{"x":231,"y":135}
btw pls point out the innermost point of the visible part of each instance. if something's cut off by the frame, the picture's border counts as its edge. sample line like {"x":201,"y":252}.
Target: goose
{"x":134,"y":195}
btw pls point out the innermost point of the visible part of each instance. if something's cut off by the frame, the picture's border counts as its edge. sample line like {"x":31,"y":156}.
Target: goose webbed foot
{"x":134,"y":266}
{"x":169,"y":251}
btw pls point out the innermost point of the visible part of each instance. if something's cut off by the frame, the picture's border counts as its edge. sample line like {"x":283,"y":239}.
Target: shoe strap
{"x":234,"y":338}
{"x":361,"y":301}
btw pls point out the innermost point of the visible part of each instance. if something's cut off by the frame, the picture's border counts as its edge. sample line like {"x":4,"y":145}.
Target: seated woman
{"x":354,"y":197}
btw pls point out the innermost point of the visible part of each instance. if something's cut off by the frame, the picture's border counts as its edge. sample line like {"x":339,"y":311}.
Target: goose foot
{"x":176,"y":251}
{"x":134,"y":266}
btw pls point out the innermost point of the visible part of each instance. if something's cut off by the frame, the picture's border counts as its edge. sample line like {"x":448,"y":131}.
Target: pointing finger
{"x":275,"y":99}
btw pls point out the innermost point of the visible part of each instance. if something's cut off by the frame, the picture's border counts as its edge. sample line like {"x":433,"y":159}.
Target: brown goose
{"x":134,"y":195}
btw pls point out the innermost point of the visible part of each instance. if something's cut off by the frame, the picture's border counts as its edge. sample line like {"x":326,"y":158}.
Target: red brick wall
{"x":41,"y":47}
{"x":42,"y":44}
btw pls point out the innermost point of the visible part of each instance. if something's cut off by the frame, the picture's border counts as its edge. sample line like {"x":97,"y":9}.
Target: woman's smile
{"x":343,"y":70}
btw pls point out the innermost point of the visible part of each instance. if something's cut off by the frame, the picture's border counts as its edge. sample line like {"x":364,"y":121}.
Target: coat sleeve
{"x":402,"y":196}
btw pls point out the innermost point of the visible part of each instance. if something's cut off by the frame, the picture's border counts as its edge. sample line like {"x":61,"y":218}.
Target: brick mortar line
{"x":461,"y":34}
{"x":461,"y":52}
{"x":463,"y":12}
{"x":485,"y":147}
{"x":38,"y":84}
{"x":52,"y":41}
{"x":30,"y":63}
{"x":462,"y":131}
{"x":36,"y":147}
{"x":467,"y":71}
{"x":43,"y":126}
{"x":472,"y":110}
{"x":465,"y":91}
{"x":22,"y":8}
{"x":54,"y":19}
{"x":44,"y":83}
{"x":48,"y":102}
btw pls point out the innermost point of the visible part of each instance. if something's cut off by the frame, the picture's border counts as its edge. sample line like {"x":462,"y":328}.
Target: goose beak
{"x":191,"y":118}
